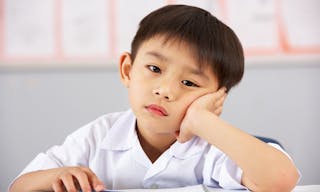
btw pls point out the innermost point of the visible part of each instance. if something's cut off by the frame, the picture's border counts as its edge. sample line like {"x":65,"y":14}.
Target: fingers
{"x":184,"y":135}
{"x":221,"y":100}
{"x":57,"y":186}
{"x":71,"y":179}
{"x":218,"y":111}
{"x":220,"y":97}
{"x":82,"y":178}
{"x":220,"y":93}
{"x":96,"y":183}
{"x":69,"y":183}
{"x":74,"y":178}
{"x":100,"y":187}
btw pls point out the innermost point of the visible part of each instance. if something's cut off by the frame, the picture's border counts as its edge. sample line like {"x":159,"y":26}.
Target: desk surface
{"x":305,"y":188}
{"x":201,"y":188}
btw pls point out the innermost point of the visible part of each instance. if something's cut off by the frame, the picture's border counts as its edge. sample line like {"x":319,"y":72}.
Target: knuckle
{"x":84,"y":168}
{"x":54,"y":186}
{"x":70,"y":187}
{"x":76,"y":168}
{"x":86,"y":188}
{"x":56,"y":181}
{"x":81,"y":172}
{"x":64,"y":175}
{"x":72,"y":190}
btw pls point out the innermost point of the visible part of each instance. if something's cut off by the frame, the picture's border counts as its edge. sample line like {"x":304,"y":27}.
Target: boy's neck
{"x":154,"y":147}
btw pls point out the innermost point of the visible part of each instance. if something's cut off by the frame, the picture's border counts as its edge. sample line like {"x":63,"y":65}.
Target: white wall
{"x":39,"y":107}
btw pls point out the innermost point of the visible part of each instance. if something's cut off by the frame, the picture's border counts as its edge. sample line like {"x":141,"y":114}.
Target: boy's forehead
{"x":163,"y":41}
{"x":160,"y":46}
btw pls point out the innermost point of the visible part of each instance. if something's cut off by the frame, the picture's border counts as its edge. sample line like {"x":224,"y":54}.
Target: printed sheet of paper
{"x":254,"y":21}
{"x":102,"y":29}
{"x":29,"y":28}
{"x":217,"y":8}
{"x":127,"y":17}
{"x":194,"y":188}
{"x":213,"y":6}
{"x":204,"y":4}
{"x":85,"y":27}
{"x":301,"y":21}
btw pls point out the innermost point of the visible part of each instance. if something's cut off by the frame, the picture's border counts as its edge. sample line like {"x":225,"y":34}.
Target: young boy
{"x":183,"y":61}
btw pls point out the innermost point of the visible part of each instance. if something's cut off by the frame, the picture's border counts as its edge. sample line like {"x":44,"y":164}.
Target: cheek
{"x":186,"y":102}
{"x":137,"y":91}
{"x":190,"y":98}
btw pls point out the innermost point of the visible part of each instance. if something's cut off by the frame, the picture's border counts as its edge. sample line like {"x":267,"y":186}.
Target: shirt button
{"x":154,"y":186}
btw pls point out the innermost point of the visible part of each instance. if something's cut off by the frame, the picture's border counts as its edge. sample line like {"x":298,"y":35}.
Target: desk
{"x":305,"y":188}
{"x":201,"y":188}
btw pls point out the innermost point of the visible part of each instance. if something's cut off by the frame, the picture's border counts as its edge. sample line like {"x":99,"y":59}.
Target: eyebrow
{"x":157,"y":55}
{"x":164,"y":58}
{"x":198,"y":73}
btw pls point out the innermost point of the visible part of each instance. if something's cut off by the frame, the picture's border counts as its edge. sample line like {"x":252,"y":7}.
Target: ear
{"x":125,"y":65}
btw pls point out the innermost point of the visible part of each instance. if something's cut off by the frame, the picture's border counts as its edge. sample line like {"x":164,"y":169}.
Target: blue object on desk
{"x":269,"y":140}
{"x":107,"y":191}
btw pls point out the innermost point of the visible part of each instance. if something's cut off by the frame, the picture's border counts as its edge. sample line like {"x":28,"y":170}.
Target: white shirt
{"x":109,"y":146}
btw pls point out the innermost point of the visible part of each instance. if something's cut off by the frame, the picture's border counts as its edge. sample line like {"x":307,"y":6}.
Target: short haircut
{"x":212,"y":42}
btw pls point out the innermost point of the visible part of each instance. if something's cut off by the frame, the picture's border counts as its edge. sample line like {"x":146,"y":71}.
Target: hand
{"x":75,"y":178}
{"x":212,"y":102}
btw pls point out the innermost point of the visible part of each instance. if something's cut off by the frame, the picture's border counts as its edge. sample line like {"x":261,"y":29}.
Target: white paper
{"x":85,"y":28}
{"x":203,"y":188}
{"x":307,"y":188}
{"x":194,"y":188}
{"x":204,"y":4}
{"x":254,"y":22}
{"x":301,"y":20}
{"x":217,"y":9}
{"x":29,"y":28}
{"x":127,"y":17}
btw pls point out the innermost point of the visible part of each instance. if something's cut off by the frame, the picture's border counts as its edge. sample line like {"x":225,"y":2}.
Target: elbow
{"x":286,"y":180}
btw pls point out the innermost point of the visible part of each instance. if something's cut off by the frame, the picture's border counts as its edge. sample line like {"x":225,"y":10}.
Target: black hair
{"x":211,"y":41}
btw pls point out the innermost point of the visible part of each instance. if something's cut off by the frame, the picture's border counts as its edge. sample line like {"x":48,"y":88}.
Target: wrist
{"x":201,"y":121}
{"x":197,"y":121}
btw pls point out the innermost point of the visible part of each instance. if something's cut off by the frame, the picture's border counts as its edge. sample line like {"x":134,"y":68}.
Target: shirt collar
{"x":189,"y":148}
{"x":122,"y":134}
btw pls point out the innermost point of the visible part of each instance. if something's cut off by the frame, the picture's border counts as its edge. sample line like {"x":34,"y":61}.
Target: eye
{"x":154,"y":69}
{"x":189,"y":83}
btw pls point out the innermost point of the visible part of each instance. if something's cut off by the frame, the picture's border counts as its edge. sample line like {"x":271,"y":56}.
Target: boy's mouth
{"x":156,"y":109}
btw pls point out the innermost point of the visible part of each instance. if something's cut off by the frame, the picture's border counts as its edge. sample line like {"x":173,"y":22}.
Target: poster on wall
{"x":96,"y":32}
{"x":28,"y":29}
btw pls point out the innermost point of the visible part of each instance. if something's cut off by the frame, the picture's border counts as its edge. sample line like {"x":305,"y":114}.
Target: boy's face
{"x":162,"y":82}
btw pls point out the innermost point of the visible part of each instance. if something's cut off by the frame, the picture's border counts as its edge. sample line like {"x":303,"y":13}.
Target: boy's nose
{"x":164,"y":92}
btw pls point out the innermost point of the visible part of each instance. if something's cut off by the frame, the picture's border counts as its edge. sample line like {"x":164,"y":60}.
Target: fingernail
{"x":99,"y":187}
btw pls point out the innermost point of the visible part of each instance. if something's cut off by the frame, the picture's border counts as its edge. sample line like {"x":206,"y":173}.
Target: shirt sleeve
{"x":72,"y":152}
{"x":75,"y":151}
{"x":220,"y":171}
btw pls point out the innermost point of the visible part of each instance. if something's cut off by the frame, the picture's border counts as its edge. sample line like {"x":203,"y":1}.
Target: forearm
{"x":35,"y":181}
{"x":264,"y":165}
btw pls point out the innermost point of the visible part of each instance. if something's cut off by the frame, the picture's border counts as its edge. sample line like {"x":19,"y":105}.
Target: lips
{"x":157,"y":110}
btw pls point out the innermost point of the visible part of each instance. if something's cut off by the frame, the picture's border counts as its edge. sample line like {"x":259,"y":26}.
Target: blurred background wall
{"x":59,"y":72}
